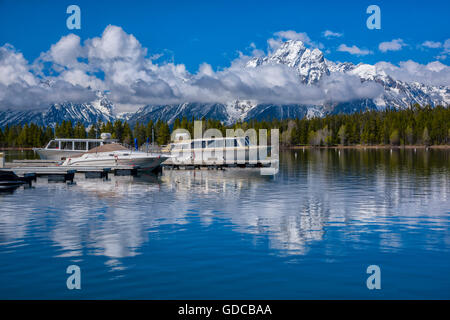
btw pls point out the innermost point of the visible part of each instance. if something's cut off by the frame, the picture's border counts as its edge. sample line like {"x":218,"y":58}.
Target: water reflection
{"x":344,"y":195}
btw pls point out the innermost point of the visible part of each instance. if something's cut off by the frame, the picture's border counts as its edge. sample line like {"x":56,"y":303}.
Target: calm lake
{"x":310,"y":232}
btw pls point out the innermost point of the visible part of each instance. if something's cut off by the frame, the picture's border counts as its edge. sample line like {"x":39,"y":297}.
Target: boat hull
{"x":144,"y":163}
{"x":9,"y":180}
{"x":46,"y":154}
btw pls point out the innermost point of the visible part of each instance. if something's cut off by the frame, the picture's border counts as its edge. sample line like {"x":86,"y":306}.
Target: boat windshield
{"x":53,"y":145}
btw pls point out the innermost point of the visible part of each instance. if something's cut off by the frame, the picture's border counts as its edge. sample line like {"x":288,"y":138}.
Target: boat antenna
{"x":153,"y":137}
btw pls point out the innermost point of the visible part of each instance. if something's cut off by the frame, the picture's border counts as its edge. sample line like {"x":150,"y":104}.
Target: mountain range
{"x":310,"y":66}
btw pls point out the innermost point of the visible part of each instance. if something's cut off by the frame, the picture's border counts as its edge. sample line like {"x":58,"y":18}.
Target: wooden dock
{"x":56,"y":172}
{"x":214,"y":165}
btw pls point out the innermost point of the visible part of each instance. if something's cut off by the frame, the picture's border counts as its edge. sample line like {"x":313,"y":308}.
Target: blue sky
{"x":193,"y":32}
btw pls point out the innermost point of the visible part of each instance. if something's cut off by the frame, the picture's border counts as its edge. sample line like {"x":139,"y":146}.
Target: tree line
{"x":412,"y":126}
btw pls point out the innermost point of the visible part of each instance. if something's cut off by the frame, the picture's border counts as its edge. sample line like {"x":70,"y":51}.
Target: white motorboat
{"x":218,"y":150}
{"x":111,"y":155}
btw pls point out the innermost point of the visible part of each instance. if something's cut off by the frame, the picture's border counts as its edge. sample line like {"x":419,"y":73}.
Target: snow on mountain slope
{"x":309,"y":64}
{"x":311,"y":67}
{"x":401,"y":94}
{"x":100,"y":109}
{"x":189,"y":110}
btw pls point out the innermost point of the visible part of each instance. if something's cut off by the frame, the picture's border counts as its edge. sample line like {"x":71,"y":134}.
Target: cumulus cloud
{"x":280,"y":36}
{"x":432,"y":44}
{"x":446,"y":52}
{"x":433,"y":73}
{"x":354,"y":50}
{"x":445,"y":46}
{"x":21,"y":89}
{"x":394,"y":45}
{"x":14,"y":69}
{"x":330,"y":34}
{"x":116,"y":61}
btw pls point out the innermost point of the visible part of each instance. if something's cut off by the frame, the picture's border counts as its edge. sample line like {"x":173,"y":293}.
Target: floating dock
{"x":211,"y":165}
{"x":55,"y":172}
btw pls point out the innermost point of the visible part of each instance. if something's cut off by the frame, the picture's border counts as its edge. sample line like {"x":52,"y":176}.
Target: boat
{"x":114,"y":154}
{"x":218,"y":150}
{"x":61,"y":149}
{"x":9,"y":180}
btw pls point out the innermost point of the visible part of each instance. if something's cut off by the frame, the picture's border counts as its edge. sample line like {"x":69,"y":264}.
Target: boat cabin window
{"x":181,"y":146}
{"x":219,"y":143}
{"x":247,"y":141}
{"x":66,"y":145}
{"x":53,"y":145}
{"x":80,"y":145}
{"x":211,"y":144}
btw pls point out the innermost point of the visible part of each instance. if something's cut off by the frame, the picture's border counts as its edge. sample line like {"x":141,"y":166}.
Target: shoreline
{"x":359,"y":146}
{"x":15,"y":149}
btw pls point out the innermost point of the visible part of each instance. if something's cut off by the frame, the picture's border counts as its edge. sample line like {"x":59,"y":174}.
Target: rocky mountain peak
{"x":309,"y":64}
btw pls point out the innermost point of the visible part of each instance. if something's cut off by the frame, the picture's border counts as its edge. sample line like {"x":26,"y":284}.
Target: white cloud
{"x":292,"y":35}
{"x":330,"y":34}
{"x":354,"y":50}
{"x":432,"y":44}
{"x":66,"y":51}
{"x":438,"y":45}
{"x":433,"y":73}
{"x":394,"y":45}
{"x":115,"y":43}
{"x":281,"y":36}
{"x":446,"y":52}
{"x":14,"y":68}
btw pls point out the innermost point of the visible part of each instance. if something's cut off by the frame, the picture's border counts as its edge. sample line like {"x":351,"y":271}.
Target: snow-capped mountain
{"x":170,"y":112}
{"x":309,"y":64}
{"x":398,"y":93}
{"x":101,"y":109}
{"x":312,"y":66}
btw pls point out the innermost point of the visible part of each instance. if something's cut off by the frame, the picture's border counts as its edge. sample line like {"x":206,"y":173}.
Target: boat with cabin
{"x":61,"y":149}
{"x":218,"y":150}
